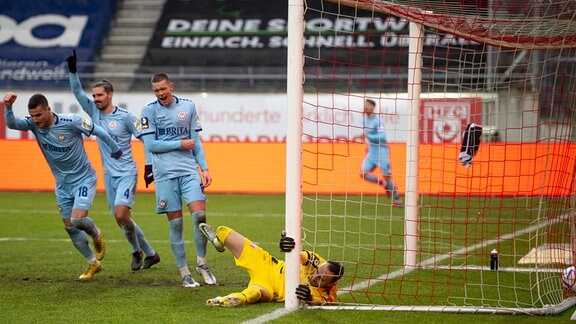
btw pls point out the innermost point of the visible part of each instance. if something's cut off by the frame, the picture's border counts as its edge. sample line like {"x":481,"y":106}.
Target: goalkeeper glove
{"x":287,"y":243}
{"x":72,"y":62}
{"x":148,"y":174}
{"x":303,"y":292}
{"x":116,"y":155}
{"x":470,"y":144}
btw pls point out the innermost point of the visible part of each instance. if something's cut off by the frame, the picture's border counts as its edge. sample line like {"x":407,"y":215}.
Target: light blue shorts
{"x":169,"y":193}
{"x":79,"y":195}
{"x":120,"y":190}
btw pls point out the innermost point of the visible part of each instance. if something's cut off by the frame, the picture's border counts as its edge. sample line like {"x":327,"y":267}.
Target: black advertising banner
{"x":220,"y":33}
{"x":254,"y":33}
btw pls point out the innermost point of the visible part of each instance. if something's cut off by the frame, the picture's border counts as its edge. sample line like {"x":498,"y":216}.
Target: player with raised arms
{"x":120,"y":175}
{"x":60,"y":138}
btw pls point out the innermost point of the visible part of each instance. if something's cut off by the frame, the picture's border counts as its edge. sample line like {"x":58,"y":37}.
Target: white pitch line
{"x":66,"y":240}
{"x":23,"y":239}
{"x":136,"y":213}
{"x":270,"y":316}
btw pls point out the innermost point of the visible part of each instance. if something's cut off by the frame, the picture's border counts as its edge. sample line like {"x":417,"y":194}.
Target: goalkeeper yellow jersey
{"x":268,"y":272}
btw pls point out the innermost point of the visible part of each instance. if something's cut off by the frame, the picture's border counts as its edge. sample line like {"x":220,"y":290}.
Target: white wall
{"x":262,"y":117}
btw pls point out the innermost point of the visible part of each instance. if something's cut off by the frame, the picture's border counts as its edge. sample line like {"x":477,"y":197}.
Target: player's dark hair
{"x":336,"y":268}
{"x":107,"y":85}
{"x":159,"y":77}
{"x":36,"y":100}
{"x":371,"y":102}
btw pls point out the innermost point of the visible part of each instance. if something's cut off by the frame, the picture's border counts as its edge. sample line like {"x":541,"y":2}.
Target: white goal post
{"x":294,"y":91}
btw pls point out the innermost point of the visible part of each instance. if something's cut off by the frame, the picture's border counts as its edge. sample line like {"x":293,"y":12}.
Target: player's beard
{"x":100,"y":105}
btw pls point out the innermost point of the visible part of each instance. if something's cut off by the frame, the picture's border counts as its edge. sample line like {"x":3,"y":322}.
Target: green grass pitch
{"x":39,"y":267}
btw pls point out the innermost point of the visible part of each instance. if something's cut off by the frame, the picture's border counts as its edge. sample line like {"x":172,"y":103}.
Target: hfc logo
{"x":25,"y":32}
{"x":443,"y":120}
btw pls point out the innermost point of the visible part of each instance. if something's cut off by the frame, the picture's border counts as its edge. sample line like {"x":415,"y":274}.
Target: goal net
{"x":433,"y":68}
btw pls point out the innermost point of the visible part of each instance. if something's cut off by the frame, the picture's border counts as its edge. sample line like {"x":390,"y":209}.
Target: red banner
{"x":444,"y":120}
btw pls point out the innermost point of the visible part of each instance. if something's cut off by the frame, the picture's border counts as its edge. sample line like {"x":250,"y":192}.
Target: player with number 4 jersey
{"x":120,"y":175}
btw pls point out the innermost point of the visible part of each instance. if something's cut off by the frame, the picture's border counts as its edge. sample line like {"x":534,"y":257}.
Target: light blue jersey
{"x":378,"y":156}
{"x":170,"y":125}
{"x":119,"y":124}
{"x":61,"y":143}
{"x":377,"y":143}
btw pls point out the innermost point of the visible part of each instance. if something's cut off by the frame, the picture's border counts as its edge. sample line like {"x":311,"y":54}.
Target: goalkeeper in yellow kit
{"x":318,"y":277}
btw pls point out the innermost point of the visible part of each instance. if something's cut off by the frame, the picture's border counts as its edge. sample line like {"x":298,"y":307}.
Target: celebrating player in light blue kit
{"x":120,"y":176}
{"x":378,"y":153}
{"x":170,"y":127}
{"x":59,"y":137}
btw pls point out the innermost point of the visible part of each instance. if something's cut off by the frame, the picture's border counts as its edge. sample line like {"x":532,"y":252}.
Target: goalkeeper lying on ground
{"x":318,"y":278}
